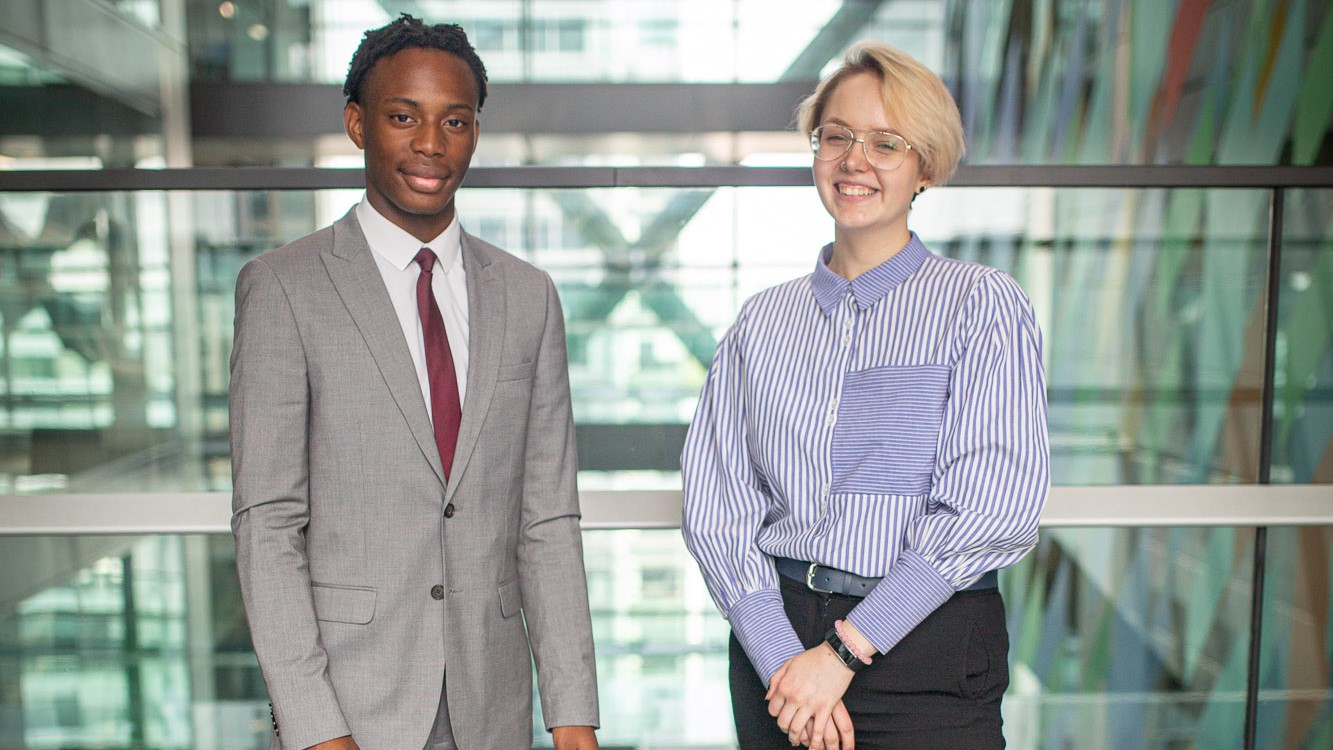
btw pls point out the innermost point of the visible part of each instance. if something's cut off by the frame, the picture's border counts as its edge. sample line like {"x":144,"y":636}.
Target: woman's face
{"x":867,"y":203}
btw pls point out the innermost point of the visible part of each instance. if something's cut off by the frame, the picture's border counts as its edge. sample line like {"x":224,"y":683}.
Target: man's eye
{"x":454,"y":122}
{"x":400,"y":118}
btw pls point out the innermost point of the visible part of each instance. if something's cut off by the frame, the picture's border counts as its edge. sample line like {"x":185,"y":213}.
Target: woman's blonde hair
{"x":914,"y":97}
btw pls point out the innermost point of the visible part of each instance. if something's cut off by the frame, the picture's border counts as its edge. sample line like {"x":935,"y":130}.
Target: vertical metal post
{"x":1276,"y":202}
{"x":525,"y":39}
{"x":137,"y":710}
{"x":200,"y":646}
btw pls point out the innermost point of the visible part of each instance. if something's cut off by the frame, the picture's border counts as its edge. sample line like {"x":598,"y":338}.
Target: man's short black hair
{"x":403,"y":33}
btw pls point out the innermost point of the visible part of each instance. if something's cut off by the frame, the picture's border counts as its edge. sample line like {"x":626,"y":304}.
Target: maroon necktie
{"x":445,"y":410}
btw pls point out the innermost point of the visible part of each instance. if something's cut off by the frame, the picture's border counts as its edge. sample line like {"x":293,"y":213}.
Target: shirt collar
{"x":871,"y":286}
{"x":399,"y":247}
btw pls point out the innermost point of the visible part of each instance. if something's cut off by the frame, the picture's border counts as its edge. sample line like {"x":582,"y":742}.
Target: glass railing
{"x":1141,"y":633}
{"x":117,"y":311}
{"x":1127,"y":631}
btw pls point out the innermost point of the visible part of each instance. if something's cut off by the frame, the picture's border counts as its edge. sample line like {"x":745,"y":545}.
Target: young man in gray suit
{"x":403,"y":449}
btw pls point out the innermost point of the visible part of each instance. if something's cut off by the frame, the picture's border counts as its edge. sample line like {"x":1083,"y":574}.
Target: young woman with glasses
{"x":869,"y":448}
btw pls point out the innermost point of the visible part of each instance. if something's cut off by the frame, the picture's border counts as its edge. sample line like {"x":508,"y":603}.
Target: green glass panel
{"x":116,"y":317}
{"x":1314,"y":111}
{"x":1129,"y":638}
{"x":141,"y":642}
{"x":1296,"y":657}
{"x":1303,"y":410}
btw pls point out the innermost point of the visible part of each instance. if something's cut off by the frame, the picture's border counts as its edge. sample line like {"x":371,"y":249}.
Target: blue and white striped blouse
{"x":893,"y":425}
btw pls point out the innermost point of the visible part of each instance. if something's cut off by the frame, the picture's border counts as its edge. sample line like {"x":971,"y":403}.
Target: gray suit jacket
{"x":344,"y":523}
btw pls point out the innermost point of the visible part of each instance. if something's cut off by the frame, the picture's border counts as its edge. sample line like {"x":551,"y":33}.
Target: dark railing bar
{"x":1271,"y":304}
{"x":319,"y":178}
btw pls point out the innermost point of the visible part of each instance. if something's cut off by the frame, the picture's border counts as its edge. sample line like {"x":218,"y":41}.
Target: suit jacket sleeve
{"x":271,"y":508}
{"x":550,"y":550}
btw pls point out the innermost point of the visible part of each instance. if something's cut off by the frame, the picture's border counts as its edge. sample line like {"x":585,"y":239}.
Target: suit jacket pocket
{"x":511,"y":599}
{"x":339,"y":604}
{"x":520,"y":371}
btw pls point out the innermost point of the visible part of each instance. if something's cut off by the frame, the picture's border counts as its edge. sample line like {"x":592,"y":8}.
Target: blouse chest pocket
{"x":888,"y":428}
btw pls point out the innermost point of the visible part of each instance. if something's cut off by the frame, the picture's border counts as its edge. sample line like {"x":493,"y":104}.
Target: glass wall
{"x":1303,"y":421}
{"x":1296,"y":710}
{"x":117,"y":312}
{"x":1130,"y":638}
{"x":141,"y":642}
{"x":115,"y":323}
{"x":1121,"y":638}
{"x":1296,"y":671}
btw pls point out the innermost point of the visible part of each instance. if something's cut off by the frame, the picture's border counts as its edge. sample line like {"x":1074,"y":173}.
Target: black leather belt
{"x":828,"y":580}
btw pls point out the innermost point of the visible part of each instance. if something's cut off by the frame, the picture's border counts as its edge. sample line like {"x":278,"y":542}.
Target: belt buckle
{"x":810,"y":580}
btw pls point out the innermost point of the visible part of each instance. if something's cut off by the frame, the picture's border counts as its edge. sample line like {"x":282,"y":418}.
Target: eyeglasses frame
{"x":865,"y":148}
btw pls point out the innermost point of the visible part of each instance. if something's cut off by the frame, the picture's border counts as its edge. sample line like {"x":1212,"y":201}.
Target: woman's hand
{"x":804,"y":692}
{"x":838,"y":733}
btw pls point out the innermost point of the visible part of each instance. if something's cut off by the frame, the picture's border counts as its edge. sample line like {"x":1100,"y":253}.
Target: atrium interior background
{"x":1158,"y":174}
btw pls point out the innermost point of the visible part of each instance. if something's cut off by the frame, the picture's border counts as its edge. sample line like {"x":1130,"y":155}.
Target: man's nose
{"x":429,"y":141}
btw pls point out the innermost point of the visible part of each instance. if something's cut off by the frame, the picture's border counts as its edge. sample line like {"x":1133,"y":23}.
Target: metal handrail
{"x":1069,"y":507}
{"x":537,"y":177}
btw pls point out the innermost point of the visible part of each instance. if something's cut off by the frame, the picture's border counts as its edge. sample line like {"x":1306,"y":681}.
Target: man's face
{"x":417,"y":123}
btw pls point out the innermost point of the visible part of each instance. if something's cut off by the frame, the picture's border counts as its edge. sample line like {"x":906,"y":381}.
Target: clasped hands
{"x":805,"y":695}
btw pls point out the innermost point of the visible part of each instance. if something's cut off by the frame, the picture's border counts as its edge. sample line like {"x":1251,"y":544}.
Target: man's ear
{"x":354,"y":124}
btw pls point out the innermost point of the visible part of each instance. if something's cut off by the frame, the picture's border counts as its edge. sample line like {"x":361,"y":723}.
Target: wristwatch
{"x":849,"y":659}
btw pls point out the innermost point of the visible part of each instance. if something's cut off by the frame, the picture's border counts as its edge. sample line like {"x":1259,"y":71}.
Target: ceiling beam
{"x":832,"y":38}
{"x":276,"y":110}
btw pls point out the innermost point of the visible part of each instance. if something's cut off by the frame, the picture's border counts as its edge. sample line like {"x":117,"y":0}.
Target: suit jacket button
{"x":449,"y":510}
{"x":437,"y":592}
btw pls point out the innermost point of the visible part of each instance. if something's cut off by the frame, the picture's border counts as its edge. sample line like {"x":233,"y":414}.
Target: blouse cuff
{"x":900,"y":601}
{"x":762,"y":627}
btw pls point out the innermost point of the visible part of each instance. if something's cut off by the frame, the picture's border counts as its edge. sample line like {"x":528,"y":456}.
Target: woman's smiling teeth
{"x":846,"y":189}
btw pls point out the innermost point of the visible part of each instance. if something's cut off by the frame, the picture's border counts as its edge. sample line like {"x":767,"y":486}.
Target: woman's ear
{"x":920,"y":188}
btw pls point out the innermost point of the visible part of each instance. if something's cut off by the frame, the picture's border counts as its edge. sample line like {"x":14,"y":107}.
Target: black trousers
{"x":940,"y":687}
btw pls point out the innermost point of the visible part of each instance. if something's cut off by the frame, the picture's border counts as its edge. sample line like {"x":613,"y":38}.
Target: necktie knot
{"x":426,"y":259}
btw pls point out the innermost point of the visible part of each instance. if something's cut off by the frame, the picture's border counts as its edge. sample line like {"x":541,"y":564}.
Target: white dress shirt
{"x":395,"y":252}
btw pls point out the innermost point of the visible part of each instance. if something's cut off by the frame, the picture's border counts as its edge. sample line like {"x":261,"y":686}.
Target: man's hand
{"x":805,"y":689}
{"x":340,"y":743}
{"x":574,"y":738}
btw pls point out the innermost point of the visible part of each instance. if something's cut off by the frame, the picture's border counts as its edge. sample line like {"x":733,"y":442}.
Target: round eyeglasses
{"x":882,"y":150}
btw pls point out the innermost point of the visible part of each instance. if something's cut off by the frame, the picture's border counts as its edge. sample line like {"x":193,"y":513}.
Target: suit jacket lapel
{"x":358,"y":281}
{"x":486,"y":330}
